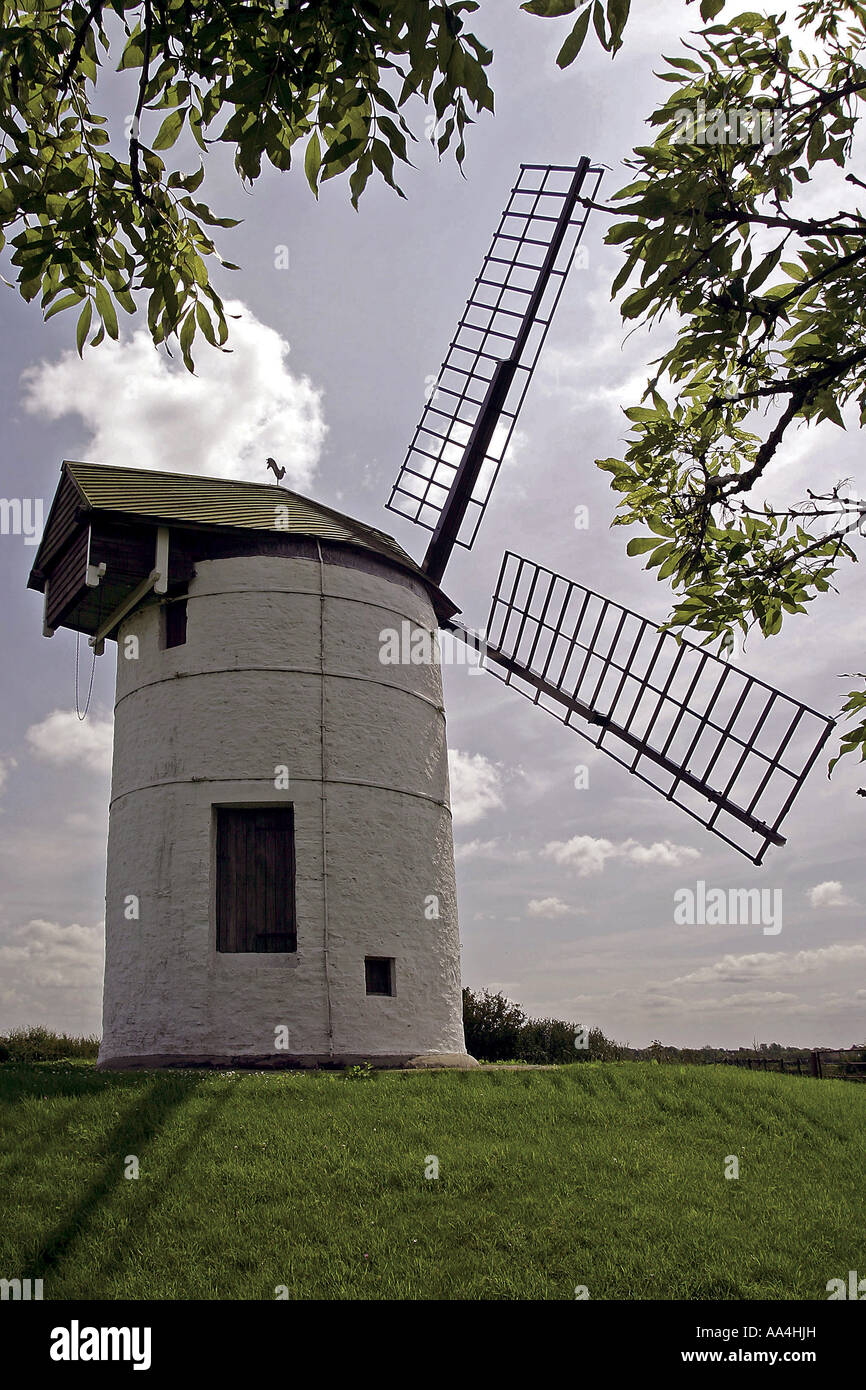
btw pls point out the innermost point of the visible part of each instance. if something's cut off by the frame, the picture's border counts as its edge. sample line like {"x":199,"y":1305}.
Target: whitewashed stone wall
{"x":206,"y":724}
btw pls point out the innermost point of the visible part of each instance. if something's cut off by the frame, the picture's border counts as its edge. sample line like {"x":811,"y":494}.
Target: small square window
{"x":379,"y":973}
{"x":174,"y":623}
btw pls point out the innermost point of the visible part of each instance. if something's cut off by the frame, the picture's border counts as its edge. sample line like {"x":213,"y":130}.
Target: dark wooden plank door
{"x":255,"y":889}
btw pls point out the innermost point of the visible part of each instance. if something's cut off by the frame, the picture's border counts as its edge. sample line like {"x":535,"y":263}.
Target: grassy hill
{"x":604,"y":1175}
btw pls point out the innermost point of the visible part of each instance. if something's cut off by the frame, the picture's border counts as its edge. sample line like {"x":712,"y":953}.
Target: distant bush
{"x":547,"y":1040}
{"x":492,"y":1025}
{"x":498,"y":1030}
{"x":39,"y":1044}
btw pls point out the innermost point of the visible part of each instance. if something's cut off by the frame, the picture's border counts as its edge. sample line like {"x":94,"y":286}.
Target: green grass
{"x":607,"y":1175}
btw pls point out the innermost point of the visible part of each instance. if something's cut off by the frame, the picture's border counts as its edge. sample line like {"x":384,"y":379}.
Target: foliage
{"x":90,"y":225}
{"x":93,"y":215}
{"x":608,"y":19}
{"x":38,"y":1044}
{"x":768,"y":294}
{"x":362,"y":1071}
{"x":769,"y":299}
{"x":497,"y":1030}
{"x":546,"y":1040}
{"x":492,"y":1025}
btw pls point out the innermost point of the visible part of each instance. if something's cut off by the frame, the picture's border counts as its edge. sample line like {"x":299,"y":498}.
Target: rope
{"x":82,"y":717}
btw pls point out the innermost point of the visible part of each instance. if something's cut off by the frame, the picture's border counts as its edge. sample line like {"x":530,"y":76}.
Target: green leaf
{"x":358,"y":180}
{"x":816,"y":143}
{"x":83,"y":327}
{"x":384,"y":162}
{"x":639,"y":545}
{"x":204,"y":322}
{"x":313,"y":161}
{"x":187,"y":333}
{"x":170,"y":129}
{"x":623,"y":231}
{"x":617,"y":14}
{"x":551,"y":9}
{"x":105,"y":309}
{"x":66,"y":301}
{"x":133,"y":53}
{"x":574,"y":42}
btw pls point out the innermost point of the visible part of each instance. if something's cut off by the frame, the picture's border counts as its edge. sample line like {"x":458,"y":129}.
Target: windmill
{"x":280,"y":885}
{"x":727,"y":748}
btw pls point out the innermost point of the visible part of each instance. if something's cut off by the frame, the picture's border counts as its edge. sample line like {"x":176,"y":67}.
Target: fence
{"x":818,"y":1064}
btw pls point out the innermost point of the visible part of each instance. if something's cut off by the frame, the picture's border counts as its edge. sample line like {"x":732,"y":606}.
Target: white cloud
{"x":770,"y":964}
{"x":589,"y":855}
{"x":583,"y":853}
{"x":476,"y":849}
{"x":567,"y":372}
{"x":5,"y":765}
{"x":756,"y":1000}
{"x":146,"y":410}
{"x":548,"y":907}
{"x":64,"y":738}
{"x":475,"y":786}
{"x":51,"y":974}
{"x":828,"y":894}
{"x":660,"y":852}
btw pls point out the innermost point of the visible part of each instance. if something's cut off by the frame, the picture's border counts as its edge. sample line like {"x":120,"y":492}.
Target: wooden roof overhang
{"x":95,"y":563}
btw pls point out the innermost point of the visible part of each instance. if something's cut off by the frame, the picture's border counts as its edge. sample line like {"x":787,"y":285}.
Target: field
{"x":608,"y":1176}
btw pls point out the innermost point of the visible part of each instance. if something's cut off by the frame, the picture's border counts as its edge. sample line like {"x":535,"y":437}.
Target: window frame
{"x":391,"y":963}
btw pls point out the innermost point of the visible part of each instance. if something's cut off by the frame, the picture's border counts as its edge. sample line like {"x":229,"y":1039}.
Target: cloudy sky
{"x":567,"y":890}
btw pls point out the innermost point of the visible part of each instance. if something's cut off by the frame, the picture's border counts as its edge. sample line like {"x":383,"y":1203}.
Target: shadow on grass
{"x":140,"y":1128}
{"x":47,"y":1081}
{"x":42,"y":1080}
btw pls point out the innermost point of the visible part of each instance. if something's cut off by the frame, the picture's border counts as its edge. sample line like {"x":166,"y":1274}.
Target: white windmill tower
{"x":280,"y":885}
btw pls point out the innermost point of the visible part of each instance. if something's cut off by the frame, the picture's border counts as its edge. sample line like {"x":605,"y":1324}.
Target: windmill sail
{"x":725,"y":747}
{"x":452,"y":463}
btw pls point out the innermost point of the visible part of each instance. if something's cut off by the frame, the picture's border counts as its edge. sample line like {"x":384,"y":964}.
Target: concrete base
{"x":285,"y":1062}
{"x":460,"y":1061}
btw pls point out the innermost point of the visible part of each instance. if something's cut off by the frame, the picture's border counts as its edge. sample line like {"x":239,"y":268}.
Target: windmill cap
{"x":191,"y":499}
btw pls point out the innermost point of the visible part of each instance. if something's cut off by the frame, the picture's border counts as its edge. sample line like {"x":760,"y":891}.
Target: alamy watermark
{"x":856,"y":1288}
{"x":410,"y":645}
{"x":728,"y":125}
{"x":20,"y":1290}
{"x":77,"y":1343}
{"x":718,"y":907}
{"x":22,"y":516}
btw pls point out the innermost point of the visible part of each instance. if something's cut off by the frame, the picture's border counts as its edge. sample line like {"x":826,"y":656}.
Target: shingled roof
{"x":98,"y":546}
{"x":197,"y":500}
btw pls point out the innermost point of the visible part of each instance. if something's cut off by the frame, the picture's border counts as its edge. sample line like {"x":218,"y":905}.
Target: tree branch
{"x":78,"y":43}
{"x":142,"y":198}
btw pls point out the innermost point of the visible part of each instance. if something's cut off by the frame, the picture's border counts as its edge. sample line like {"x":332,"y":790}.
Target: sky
{"x":567,"y":880}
